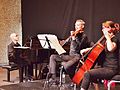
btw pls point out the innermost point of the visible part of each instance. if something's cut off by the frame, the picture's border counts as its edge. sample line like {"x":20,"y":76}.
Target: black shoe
{"x":53,"y":81}
{"x":28,"y":78}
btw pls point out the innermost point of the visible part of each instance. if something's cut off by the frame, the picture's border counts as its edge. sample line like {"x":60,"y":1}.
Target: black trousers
{"x":67,"y":61}
{"x":94,"y":74}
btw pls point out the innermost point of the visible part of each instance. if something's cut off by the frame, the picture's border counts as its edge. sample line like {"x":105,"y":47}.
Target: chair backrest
{"x":116,"y":77}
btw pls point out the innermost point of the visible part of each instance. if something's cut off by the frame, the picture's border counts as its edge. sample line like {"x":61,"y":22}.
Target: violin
{"x":74,"y":33}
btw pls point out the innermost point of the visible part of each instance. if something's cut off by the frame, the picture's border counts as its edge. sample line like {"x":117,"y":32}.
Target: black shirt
{"x":12,"y":54}
{"x":112,"y":58}
{"x":81,"y":41}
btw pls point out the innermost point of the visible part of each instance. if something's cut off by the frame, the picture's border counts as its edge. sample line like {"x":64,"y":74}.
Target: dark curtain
{"x":58,"y":16}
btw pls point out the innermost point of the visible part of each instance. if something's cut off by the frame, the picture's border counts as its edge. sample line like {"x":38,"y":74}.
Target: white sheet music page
{"x":53,"y":41}
{"x":22,"y":47}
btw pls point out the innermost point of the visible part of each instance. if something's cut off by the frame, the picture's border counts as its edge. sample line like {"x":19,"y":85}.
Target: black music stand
{"x":46,"y":45}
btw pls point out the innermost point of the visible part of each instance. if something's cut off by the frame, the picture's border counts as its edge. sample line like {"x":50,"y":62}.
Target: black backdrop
{"x":58,"y":16}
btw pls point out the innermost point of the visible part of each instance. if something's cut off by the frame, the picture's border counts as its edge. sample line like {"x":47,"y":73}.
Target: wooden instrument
{"x":93,"y":54}
{"x":74,"y":33}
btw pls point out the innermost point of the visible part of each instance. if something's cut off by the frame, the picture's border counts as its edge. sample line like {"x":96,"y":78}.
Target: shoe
{"x":72,"y":84}
{"x":28,"y":78}
{"x":53,"y":81}
{"x":32,"y":77}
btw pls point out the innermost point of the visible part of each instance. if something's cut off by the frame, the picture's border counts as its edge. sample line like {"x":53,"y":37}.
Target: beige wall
{"x":10,"y":21}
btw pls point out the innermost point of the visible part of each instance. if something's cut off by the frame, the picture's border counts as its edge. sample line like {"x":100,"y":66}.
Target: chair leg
{"x":75,"y":86}
{"x":36,"y":65}
{"x":112,"y":81}
{"x":61,"y":70}
{"x":8,"y":75}
{"x":21,"y":74}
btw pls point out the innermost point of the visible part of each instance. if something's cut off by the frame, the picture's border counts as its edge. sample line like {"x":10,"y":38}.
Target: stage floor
{"x":40,"y":85}
{"x":37,"y":84}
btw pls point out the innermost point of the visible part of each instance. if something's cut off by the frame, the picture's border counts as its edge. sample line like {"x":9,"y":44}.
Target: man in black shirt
{"x":15,"y":57}
{"x":78,"y":40}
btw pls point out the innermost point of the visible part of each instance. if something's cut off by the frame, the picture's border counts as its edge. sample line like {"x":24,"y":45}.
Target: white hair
{"x":81,"y":21}
{"x":12,"y":35}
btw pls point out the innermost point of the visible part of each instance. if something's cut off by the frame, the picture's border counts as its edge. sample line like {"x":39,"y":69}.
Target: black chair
{"x":10,"y":67}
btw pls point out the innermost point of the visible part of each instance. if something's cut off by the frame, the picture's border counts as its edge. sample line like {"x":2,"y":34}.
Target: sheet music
{"x":22,"y":47}
{"x":53,"y":40}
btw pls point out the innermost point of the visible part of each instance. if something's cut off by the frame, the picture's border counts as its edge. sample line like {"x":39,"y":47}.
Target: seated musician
{"x":15,"y":56}
{"x":78,"y":40}
{"x":110,"y":61}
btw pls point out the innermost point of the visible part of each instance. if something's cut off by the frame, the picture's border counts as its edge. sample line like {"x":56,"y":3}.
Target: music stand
{"x":49,"y":41}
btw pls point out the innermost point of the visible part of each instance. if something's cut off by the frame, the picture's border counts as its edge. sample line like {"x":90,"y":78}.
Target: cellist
{"x":111,"y":57}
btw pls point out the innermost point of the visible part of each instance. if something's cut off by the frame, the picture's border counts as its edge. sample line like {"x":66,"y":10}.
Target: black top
{"x":16,"y":55}
{"x":81,"y":41}
{"x":12,"y":54}
{"x":112,"y":58}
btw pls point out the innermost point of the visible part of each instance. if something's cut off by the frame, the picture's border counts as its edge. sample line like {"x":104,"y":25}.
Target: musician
{"x":15,"y":56}
{"x":110,"y":61}
{"x":78,"y":40}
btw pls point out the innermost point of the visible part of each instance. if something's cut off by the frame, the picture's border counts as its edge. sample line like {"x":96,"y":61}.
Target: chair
{"x":62,"y":78}
{"x":10,"y":67}
{"x":115,"y":79}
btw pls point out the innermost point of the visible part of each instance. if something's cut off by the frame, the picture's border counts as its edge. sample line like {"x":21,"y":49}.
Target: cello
{"x":92,"y":55}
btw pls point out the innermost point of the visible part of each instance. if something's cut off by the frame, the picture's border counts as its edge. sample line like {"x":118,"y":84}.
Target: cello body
{"x":91,"y":58}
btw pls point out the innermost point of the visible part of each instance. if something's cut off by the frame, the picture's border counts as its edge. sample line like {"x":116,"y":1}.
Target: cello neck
{"x":101,"y":41}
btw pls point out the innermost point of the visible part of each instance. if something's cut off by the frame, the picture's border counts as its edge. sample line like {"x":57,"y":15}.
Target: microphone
{"x":49,"y":47}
